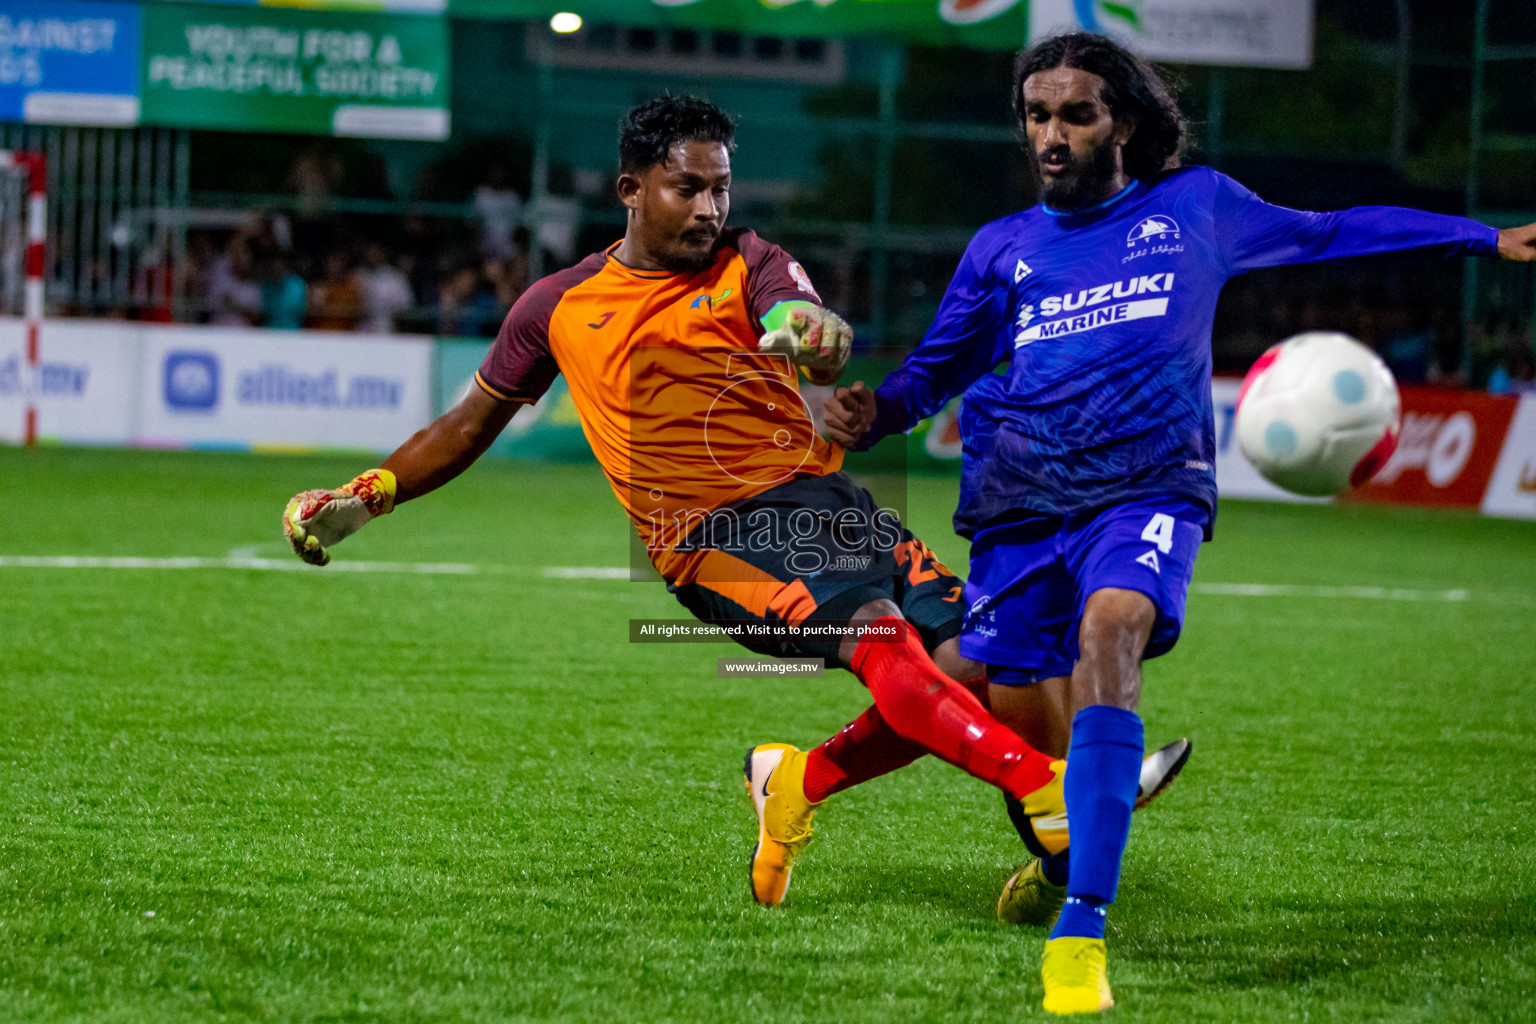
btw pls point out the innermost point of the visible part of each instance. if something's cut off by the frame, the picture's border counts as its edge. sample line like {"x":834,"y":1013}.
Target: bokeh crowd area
{"x":873,"y":160}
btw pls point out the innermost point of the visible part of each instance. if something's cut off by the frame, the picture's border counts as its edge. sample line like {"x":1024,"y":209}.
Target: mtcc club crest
{"x":1153,"y":229}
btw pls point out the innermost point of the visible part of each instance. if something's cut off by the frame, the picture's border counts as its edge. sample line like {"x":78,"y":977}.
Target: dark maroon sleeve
{"x":520,"y":366}
{"x":773,"y":276}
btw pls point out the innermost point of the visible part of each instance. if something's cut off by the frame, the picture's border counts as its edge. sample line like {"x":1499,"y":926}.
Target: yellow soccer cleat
{"x":1074,"y":976}
{"x":1045,"y":815}
{"x":1041,"y":819}
{"x":775,"y":776}
{"x":1030,"y":898}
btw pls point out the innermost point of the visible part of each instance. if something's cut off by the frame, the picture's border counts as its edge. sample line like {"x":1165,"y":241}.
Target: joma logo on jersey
{"x":1089,"y":297}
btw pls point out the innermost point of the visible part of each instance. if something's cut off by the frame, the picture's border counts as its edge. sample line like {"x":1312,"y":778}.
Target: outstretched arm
{"x":968,"y":337}
{"x":1518,"y":244}
{"x":1255,"y":234}
{"x":448,"y":445}
{"x":315,"y":520}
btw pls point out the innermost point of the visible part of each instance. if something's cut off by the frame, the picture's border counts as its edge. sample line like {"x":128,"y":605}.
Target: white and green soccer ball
{"x":1318,"y":414}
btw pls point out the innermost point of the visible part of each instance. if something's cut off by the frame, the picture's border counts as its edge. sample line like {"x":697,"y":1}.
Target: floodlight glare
{"x":565,"y":22}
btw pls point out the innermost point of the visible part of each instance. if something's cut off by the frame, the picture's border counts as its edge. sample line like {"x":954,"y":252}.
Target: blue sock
{"x":1103,"y":768}
{"x":1082,"y":917}
{"x":1054,"y":867}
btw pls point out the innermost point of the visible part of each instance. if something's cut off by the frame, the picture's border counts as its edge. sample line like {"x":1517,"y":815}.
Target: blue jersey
{"x":1105,"y":318}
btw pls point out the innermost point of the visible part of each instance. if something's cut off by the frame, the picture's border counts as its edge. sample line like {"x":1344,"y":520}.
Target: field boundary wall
{"x":125,"y":384}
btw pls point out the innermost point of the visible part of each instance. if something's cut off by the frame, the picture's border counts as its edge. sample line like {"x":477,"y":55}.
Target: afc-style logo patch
{"x":802,"y":279}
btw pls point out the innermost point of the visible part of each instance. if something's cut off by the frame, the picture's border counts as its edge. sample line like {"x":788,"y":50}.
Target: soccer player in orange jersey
{"x":681,"y":345}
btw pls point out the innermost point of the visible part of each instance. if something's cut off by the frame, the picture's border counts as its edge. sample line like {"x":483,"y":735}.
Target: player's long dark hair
{"x":1134,"y":90}
{"x":649,"y":131}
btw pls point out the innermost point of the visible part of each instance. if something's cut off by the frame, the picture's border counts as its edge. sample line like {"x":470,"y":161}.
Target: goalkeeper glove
{"x":314,"y":520}
{"x":816,"y":340}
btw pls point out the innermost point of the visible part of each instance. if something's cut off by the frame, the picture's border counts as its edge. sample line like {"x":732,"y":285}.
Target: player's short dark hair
{"x":649,"y":131}
{"x":1134,"y":89}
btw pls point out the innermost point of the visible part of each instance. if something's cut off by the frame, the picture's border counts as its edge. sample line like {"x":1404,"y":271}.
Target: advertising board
{"x":87,"y":382}
{"x":232,"y":387}
{"x":1447,"y":449}
{"x":402,"y":6}
{"x":69,"y":62}
{"x":1245,"y":33}
{"x":329,"y":73}
{"x":1512,"y":488}
{"x":131,"y":384}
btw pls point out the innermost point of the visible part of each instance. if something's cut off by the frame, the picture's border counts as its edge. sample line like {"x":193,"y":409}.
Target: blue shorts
{"x":1030,"y":579}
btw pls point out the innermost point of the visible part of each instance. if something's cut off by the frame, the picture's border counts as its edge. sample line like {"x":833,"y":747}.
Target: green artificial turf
{"x":328,"y":796}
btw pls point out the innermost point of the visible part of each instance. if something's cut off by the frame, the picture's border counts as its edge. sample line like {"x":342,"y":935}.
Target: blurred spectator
{"x":284,"y":296}
{"x":466,"y":305}
{"x":336,"y":303}
{"x":1516,"y":375}
{"x":315,"y":177}
{"x":234,"y":294}
{"x":1445,"y":371}
{"x":499,"y":212}
{"x":556,"y":220}
{"x":1408,"y":344}
{"x":386,"y":291}
{"x":154,"y":287}
{"x":519,"y":269}
{"x":509,"y":277}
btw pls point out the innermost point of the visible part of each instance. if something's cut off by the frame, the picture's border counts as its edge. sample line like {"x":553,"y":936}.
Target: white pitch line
{"x":585,"y":572}
{"x":1360,"y":593}
{"x":589,"y":572}
{"x":260,"y":564}
{"x":1222,"y":589}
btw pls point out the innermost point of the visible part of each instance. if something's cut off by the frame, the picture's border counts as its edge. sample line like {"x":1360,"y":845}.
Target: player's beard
{"x":1085,"y":183}
{"x":682,"y":259}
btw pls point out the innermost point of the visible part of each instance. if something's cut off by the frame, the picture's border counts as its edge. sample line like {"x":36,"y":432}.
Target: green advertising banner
{"x":254,"y":69}
{"x":407,"y":6}
{"x":983,"y":24}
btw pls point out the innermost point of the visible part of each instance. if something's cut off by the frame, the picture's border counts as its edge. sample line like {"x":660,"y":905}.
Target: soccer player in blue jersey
{"x":1090,"y":481}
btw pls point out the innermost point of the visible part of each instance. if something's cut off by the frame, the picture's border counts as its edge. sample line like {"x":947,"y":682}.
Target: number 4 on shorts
{"x":1159,"y":531}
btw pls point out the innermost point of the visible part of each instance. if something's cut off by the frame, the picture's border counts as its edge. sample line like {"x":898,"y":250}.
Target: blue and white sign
{"x":70,"y":62}
{"x":1241,"y":33}
{"x":84,"y":390}
{"x":191,"y":381}
{"x":239,"y":388}
{"x":120,"y":383}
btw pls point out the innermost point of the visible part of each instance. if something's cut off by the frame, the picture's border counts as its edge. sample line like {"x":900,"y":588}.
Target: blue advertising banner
{"x":70,"y":62}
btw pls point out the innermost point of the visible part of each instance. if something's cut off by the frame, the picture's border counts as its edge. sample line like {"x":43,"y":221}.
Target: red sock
{"x":866,"y":748}
{"x":925,"y":706}
{"x":863,"y":749}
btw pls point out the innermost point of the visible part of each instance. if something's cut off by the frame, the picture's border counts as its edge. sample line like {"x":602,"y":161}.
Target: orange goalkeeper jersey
{"x":679,"y":407}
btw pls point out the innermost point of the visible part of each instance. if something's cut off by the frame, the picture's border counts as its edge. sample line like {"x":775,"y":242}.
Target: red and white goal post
{"x":26,"y":178}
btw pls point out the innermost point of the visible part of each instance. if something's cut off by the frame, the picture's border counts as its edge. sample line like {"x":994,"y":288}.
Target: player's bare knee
{"x":1115,"y":620}
{"x":957,"y":666}
{"x":881,"y":608}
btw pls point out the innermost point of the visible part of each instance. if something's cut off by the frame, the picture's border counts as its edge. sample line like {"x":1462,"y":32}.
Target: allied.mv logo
{"x":1153,"y":229}
{"x":191,"y":382}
